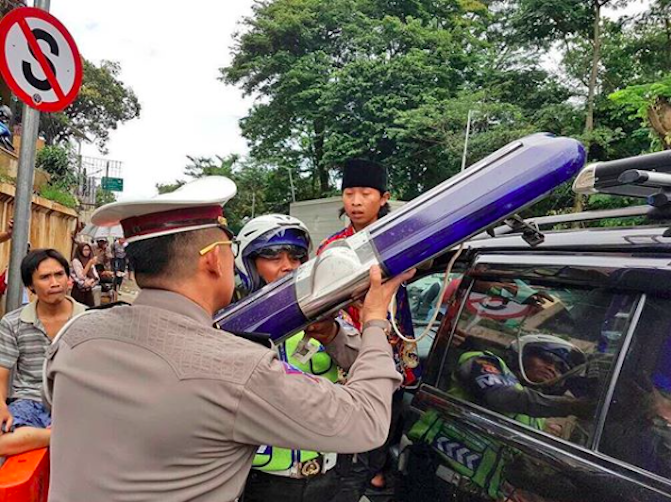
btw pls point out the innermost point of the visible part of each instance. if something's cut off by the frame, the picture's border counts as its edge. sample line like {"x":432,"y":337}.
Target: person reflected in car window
{"x":527,"y":386}
{"x":527,"y":393}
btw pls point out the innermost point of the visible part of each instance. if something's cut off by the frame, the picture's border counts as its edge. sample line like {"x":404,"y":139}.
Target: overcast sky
{"x":170,"y":53}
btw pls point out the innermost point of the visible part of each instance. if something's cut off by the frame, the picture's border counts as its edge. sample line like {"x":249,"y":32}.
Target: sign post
{"x":40,"y":63}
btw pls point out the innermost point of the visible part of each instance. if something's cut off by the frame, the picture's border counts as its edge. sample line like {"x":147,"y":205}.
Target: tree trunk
{"x":320,"y":169}
{"x":659,"y":116}
{"x":596,"y":55}
{"x":578,"y":204}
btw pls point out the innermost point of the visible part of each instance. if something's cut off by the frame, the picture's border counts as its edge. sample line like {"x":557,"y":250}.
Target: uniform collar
{"x":174,"y":302}
{"x":29,"y":312}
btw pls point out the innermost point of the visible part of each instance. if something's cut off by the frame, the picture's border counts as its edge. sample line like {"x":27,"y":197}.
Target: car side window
{"x":638,"y":424}
{"x":423,"y":297}
{"x":539,"y":354}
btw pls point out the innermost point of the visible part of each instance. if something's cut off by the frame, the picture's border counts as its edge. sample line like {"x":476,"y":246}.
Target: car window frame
{"x":620,"y":366}
{"x":516,"y":261}
{"x":616,"y":373}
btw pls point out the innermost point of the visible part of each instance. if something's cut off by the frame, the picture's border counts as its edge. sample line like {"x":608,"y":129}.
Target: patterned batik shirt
{"x":405,"y":354}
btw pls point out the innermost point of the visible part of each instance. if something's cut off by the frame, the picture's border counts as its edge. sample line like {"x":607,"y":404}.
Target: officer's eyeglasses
{"x":235,"y":247}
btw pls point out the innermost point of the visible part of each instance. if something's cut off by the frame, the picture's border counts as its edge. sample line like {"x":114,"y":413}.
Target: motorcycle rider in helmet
{"x":5,"y":132}
{"x":530,"y":386}
{"x":533,"y":389}
{"x":272,"y":246}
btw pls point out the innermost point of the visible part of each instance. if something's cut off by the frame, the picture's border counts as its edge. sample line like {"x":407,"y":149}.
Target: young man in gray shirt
{"x":25,"y":335}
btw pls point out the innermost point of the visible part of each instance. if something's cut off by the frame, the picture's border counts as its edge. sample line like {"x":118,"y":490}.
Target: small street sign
{"x":39,"y":59}
{"x":112,"y":184}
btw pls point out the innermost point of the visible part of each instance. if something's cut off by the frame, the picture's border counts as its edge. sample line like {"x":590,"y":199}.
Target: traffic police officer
{"x":150,"y":402}
{"x":272,"y":246}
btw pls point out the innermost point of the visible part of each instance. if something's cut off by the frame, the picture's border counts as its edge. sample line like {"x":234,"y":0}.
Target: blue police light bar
{"x":491,"y":190}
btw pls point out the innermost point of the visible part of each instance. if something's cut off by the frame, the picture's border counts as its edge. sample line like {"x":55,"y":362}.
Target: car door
{"x":560,"y":444}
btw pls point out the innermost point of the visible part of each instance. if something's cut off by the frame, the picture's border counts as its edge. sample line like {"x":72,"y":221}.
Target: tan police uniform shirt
{"x":150,"y":403}
{"x":345,"y":347}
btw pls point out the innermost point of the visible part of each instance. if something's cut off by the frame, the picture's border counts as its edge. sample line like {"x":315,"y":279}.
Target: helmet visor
{"x":283,"y":237}
{"x":294,"y":252}
{"x":545,"y":361}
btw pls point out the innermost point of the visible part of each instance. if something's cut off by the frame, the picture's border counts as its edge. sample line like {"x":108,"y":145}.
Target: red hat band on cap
{"x":174,"y":221}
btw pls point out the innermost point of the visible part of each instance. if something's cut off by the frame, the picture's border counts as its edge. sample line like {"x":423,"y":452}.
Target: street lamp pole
{"x":468,"y":133}
{"x":291,"y":183}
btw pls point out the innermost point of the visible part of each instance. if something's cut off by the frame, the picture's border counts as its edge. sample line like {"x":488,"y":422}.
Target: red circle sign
{"x":39,"y":59}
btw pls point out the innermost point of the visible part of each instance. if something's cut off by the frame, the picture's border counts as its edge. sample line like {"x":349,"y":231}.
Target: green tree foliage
{"x":651,"y":103}
{"x":58,"y":162}
{"x":58,"y":194}
{"x":336,"y":75}
{"x":104,"y":197}
{"x":103,"y":103}
{"x":395,"y":81}
{"x":646,"y":94}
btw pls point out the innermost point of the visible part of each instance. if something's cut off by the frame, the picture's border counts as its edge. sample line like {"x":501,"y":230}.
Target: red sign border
{"x":6,"y":23}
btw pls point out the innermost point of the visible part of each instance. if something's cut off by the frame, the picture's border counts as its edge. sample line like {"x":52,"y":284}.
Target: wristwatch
{"x":383,"y":324}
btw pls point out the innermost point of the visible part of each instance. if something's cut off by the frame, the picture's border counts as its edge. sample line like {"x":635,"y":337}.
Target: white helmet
{"x":271,"y":232}
{"x":563,"y":353}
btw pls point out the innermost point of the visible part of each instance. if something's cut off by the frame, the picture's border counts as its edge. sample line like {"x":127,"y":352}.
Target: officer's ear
{"x":210,"y":263}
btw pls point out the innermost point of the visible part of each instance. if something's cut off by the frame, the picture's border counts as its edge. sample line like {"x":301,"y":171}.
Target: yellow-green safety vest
{"x":477,"y":458}
{"x":270,"y":458}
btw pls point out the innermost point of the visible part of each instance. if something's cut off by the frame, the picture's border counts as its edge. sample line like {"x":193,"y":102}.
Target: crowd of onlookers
{"x":98,"y":268}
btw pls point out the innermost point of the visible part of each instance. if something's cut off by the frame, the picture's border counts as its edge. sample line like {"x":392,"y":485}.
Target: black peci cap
{"x":364,"y":173}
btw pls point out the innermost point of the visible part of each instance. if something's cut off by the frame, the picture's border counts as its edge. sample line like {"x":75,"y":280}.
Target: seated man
{"x":25,"y":336}
{"x":529,"y":387}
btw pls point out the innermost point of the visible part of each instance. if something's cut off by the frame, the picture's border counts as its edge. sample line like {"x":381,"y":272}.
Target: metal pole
{"x":468,"y":133}
{"x":291,"y":183}
{"x":23,"y":199}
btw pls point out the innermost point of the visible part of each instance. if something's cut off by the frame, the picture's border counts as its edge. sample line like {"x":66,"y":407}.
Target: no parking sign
{"x":39,"y":59}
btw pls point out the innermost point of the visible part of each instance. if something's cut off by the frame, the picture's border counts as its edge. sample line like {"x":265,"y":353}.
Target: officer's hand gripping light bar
{"x":498,"y":186}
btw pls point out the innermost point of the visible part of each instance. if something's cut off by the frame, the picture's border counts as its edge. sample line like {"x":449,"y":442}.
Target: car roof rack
{"x":644,"y":176}
{"x":650,"y":212}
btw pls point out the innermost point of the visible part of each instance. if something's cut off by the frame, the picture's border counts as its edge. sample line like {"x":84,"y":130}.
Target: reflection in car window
{"x":423,"y":295}
{"x":539,"y":355}
{"x":638,"y":424}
